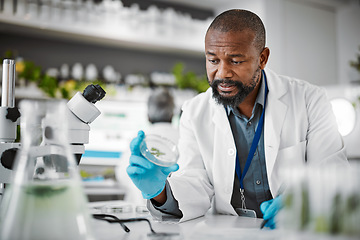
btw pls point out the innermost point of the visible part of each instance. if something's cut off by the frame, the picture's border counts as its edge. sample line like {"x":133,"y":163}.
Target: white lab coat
{"x":299,"y":127}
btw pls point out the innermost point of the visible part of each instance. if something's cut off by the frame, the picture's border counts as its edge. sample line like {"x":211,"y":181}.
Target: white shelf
{"x":105,"y":187}
{"x":29,"y":92}
{"x":99,"y":161}
{"x":187,"y":44}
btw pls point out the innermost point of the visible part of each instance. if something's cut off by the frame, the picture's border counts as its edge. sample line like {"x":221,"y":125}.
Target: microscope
{"x":81,"y":111}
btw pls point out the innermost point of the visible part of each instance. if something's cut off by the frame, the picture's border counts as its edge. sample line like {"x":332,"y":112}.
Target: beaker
{"x":45,"y":199}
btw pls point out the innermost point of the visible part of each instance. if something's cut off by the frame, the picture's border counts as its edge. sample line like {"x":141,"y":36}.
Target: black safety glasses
{"x":113,"y":219}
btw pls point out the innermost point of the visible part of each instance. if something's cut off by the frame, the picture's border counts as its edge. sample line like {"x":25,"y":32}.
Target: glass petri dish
{"x":159,"y":150}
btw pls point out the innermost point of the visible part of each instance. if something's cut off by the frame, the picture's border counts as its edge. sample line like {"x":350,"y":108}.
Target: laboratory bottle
{"x":45,"y":199}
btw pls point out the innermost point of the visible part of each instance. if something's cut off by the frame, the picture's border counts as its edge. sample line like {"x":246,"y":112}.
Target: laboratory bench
{"x":209,"y":227}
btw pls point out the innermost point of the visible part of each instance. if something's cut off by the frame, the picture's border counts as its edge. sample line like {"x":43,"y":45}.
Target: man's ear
{"x":264,"y":56}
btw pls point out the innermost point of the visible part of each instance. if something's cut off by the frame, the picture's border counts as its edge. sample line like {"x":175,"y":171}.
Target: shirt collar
{"x":259,"y":98}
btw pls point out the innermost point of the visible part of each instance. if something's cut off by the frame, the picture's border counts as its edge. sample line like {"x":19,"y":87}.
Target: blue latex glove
{"x":148,"y":177}
{"x":270,"y":209}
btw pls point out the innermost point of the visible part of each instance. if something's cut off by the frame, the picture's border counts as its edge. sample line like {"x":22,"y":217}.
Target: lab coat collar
{"x":219,"y":118}
{"x":275,"y":113}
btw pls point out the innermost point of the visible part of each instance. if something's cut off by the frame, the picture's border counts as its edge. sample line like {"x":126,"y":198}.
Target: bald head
{"x":239,"y":20}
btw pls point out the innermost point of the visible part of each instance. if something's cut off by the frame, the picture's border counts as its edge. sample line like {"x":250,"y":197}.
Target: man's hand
{"x":149,"y":178}
{"x":270,"y":209}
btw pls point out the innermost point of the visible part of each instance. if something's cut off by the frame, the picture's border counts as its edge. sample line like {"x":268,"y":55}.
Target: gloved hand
{"x":270,"y":209}
{"x":148,"y":177}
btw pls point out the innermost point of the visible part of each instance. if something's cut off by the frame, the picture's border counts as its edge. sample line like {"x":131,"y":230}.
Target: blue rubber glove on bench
{"x":270,"y":209}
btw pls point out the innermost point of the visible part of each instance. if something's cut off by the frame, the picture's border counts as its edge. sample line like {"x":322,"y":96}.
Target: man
{"x":160,"y":113}
{"x":237,"y":136}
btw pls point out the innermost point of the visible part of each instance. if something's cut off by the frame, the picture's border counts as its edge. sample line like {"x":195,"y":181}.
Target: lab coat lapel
{"x":224,"y":155}
{"x":274,"y":117}
{"x":220,"y":119}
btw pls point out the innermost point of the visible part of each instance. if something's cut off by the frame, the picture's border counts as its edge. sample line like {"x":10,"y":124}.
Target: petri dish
{"x":159,"y":150}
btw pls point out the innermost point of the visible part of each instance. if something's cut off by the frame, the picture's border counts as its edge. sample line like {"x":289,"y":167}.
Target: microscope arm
{"x":81,"y":112}
{"x":8,"y":120}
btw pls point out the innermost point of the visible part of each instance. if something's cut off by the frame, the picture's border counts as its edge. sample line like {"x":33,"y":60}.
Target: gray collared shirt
{"x":255,"y":181}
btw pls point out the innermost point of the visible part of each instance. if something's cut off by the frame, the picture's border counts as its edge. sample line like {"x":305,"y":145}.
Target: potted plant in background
{"x":356,"y":64}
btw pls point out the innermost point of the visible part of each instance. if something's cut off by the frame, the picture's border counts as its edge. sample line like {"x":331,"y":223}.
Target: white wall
{"x":309,"y":39}
{"x":256,"y":6}
{"x":274,"y":25}
{"x":309,"y":50}
{"x":348,"y":40}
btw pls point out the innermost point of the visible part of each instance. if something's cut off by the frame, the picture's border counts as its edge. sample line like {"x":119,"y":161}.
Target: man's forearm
{"x":165,"y":206}
{"x":161,"y":198}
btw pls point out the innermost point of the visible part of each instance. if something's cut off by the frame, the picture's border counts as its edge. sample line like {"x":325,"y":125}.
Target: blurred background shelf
{"x":100,"y":36}
{"x":103,"y":190}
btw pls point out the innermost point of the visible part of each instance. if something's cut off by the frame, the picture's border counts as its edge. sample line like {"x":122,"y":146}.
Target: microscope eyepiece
{"x":93,"y":93}
{"x":82,"y":104}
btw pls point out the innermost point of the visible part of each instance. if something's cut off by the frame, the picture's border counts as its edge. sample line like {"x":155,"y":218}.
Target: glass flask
{"x":45,"y":199}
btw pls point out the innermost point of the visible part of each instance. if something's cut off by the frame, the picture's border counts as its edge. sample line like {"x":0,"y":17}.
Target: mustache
{"x":217,"y":82}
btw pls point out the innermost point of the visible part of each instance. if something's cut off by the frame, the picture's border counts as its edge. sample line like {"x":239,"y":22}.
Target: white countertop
{"x":209,"y":227}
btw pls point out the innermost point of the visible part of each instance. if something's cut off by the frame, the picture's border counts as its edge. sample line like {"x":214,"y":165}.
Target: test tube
{"x":8,"y":84}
